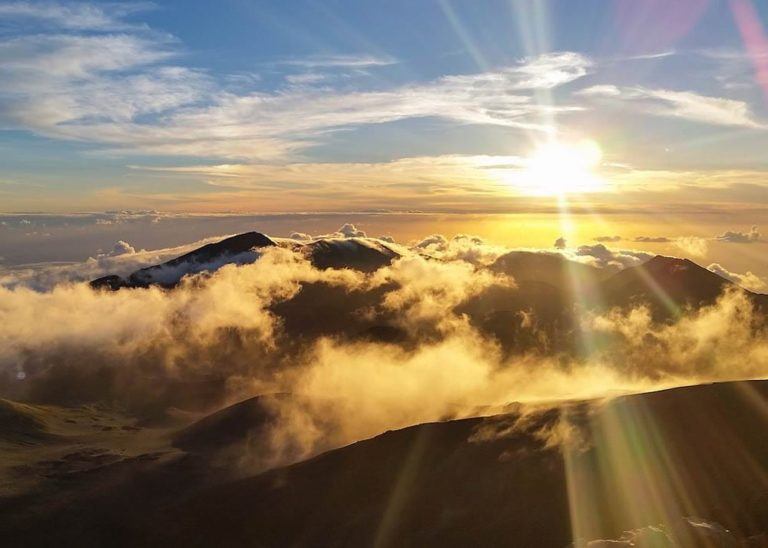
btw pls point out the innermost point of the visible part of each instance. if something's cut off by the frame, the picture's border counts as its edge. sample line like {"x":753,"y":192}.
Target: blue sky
{"x":356,"y":105}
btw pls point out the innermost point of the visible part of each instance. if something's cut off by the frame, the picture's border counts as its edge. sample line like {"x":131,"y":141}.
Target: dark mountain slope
{"x":646,"y":460}
{"x":669,"y":285}
{"x":23,"y":424}
{"x":549,"y":268}
{"x":634,"y":462}
{"x":361,"y":254}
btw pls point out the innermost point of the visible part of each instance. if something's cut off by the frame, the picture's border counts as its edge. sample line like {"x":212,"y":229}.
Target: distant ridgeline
{"x":547,"y":284}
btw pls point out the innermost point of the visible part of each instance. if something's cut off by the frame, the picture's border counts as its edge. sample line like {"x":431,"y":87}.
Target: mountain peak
{"x":663,"y":264}
{"x":237,"y":249}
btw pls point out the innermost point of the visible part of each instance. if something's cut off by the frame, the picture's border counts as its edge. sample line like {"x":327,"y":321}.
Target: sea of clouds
{"x":281,"y":325}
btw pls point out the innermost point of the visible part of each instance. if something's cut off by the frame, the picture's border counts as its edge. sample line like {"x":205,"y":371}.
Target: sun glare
{"x":556,"y":168}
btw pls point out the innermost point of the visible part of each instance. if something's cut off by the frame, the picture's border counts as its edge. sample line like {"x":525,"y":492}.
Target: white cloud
{"x":687,"y":105}
{"x":121,"y":248}
{"x":301,"y":236}
{"x":651,"y":56}
{"x":74,"y":15}
{"x":341,"y":61}
{"x":748,"y":281}
{"x":551,"y":70}
{"x":600,"y":90}
{"x":121,"y":90}
{"x":348,"y":230}
{"x":38,"y":58}
{"x":305,"y":78}
{"x":64,"y":85}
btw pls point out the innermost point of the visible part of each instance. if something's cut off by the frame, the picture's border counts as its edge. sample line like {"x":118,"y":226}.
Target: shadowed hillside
{"x":674,"y":460}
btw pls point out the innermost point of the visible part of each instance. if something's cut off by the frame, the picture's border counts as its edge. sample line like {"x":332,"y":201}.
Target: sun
{"x":557,"y":168}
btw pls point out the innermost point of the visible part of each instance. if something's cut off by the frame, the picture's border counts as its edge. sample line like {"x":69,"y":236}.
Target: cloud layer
{"x":363,"y":352}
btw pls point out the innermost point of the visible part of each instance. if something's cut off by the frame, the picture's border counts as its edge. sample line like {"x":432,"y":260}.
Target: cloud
{"x":698,"y":246}
{"x":305,"y":78}
{"x":707,"y":343}
{"x":735,"y":237}
{"x":652,"y":239}
{"x":551,"y":70}
{"x":74,"y":15}
{"x":235,"y":332}
{"x":687,"y":105}
{"x":121,"y":248}
{"x":462,"y":247}
{"x":693,"y":245}
{"x":435,"y":240}
{"x":748,"y":281}
{"x":647,"y":56}
{"x":454,"y":183}
{"x":39,"y":59}
{"x":64,"y":86}
{"x":560,"y":243}
{"x":485,"y":98}
{"x":399,"y":183}
{"x":603,"y":90}
{"x":121,"y":260}
{"x":301,"y":236}
{"x":122,"y":91}
{"x":602,"y":257}
{"x":341,"y":61}
{"x":348,"y":230}
{"x":428,"y":291}
{"x":608,"y":239}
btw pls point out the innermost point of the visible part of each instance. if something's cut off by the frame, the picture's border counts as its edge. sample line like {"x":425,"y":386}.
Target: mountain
{"x":549,"y":268}
{"x":23,"y":424}
{"x":365,"y":255}
{"x":683,"y":467}
{"x":669,"y":285}
{"x":651,"y":460}
{"x":236,"y":249}
{"x":230,"y":426}
{"x":538,"y":312}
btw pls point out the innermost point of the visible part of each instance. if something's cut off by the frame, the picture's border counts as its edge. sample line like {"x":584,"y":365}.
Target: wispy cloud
{"x":687,"y":105}
{"x":543,"y":72}
{"x":74,"y":15}
{"x":608,"y":239}
{"x":650,"y":56}
{"x":748,"y":281}
{"x":341,"y":61}
{"x":121,"y":91}
{"x":305,"y":78}
{"x":652,"y":239}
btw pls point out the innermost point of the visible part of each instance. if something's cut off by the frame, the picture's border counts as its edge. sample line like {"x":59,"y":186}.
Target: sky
{"x":640,"y":119}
